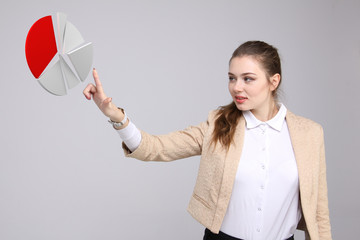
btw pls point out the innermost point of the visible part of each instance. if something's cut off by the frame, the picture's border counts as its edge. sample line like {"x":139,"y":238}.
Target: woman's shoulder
{"x":302,"y":122}
{"x":213,"y":114}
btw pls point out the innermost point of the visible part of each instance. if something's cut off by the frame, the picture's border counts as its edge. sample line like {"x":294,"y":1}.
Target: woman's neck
{"x":266,"y":112}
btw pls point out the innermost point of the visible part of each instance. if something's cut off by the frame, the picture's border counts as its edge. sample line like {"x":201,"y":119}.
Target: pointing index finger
{"x":96,"y":78}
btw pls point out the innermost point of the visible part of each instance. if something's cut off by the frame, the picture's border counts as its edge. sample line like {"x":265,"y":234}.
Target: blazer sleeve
{"x":322,"y":214}
{"x":169,"y":147}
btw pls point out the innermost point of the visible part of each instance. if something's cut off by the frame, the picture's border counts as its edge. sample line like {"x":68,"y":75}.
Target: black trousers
{"x":222,"y":236}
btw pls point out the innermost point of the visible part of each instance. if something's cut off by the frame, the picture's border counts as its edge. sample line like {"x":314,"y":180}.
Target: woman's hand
{"x":103,"y":102}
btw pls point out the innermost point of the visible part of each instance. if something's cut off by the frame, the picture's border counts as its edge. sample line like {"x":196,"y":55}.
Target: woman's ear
{"x":274,"y":81}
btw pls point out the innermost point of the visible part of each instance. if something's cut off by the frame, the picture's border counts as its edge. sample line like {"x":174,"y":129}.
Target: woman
{"x":262,"y":172}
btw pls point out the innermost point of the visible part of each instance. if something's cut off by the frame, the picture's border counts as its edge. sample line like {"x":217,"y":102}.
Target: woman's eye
{"x":231,"y":78}
{"x":248,"y":79}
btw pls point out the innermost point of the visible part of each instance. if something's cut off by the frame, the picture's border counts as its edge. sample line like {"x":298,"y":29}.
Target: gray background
{"x":62,"y":171}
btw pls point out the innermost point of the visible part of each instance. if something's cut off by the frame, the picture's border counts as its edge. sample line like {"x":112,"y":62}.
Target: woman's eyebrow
{"x":243,"y":74}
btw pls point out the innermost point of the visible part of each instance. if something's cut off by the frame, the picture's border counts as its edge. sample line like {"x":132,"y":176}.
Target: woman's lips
{"x":240,"y":99}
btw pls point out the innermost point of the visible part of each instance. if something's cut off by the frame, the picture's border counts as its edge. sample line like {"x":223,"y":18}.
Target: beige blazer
{"x":218,"y":168}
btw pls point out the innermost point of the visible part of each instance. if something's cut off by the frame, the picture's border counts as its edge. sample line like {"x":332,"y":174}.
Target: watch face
{"x":117,"y":124}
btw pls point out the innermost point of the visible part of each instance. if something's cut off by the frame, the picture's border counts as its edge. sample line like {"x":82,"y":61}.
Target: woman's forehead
{"x":244,"y":64}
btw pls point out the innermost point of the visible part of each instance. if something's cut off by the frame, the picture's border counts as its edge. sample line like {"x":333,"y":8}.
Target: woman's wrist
{"x":118,"y":116}
{"x":119,"y":120}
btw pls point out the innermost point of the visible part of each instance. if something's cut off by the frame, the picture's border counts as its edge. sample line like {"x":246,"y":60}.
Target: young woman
{"x":262,"y":172}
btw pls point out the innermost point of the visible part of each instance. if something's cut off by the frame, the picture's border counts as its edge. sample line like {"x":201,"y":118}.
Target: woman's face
{"x":249,"y":86}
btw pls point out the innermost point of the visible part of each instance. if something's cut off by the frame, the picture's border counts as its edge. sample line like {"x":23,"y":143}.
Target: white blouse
{"x":265,"y":199}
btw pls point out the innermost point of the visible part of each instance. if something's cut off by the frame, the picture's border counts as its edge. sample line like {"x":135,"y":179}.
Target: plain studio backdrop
{"x":63,"y":174}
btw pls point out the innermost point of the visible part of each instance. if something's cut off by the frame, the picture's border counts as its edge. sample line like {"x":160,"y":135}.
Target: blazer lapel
{"x":233,"y":157}
{"x":231,"y":163}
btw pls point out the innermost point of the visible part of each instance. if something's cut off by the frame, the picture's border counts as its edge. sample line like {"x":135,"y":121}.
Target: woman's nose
{"x":239,"y":86}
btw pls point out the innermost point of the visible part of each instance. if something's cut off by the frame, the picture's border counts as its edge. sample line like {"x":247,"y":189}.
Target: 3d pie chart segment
{"x":52,"y":80}
{"x":40,"y":45}
{"x":72,"y":38}
{"x":70,"y":78}
{"x":81,"y":58}
{"x":61,"y":23}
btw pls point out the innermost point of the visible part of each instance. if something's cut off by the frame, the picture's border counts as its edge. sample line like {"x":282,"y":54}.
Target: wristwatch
{"x":119,"y":124}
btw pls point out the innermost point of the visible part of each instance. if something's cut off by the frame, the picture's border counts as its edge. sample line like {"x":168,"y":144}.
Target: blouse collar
{"x":276,"y":122}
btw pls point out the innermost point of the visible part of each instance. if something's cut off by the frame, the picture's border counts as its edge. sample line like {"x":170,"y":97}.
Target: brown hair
{"x":229,"y":115}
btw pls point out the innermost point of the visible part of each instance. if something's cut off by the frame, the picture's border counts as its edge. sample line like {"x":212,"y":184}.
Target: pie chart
{"x":57,"y":55}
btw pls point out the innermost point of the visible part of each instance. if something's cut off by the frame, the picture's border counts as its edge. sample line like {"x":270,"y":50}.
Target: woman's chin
{"x":242,"y":106}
